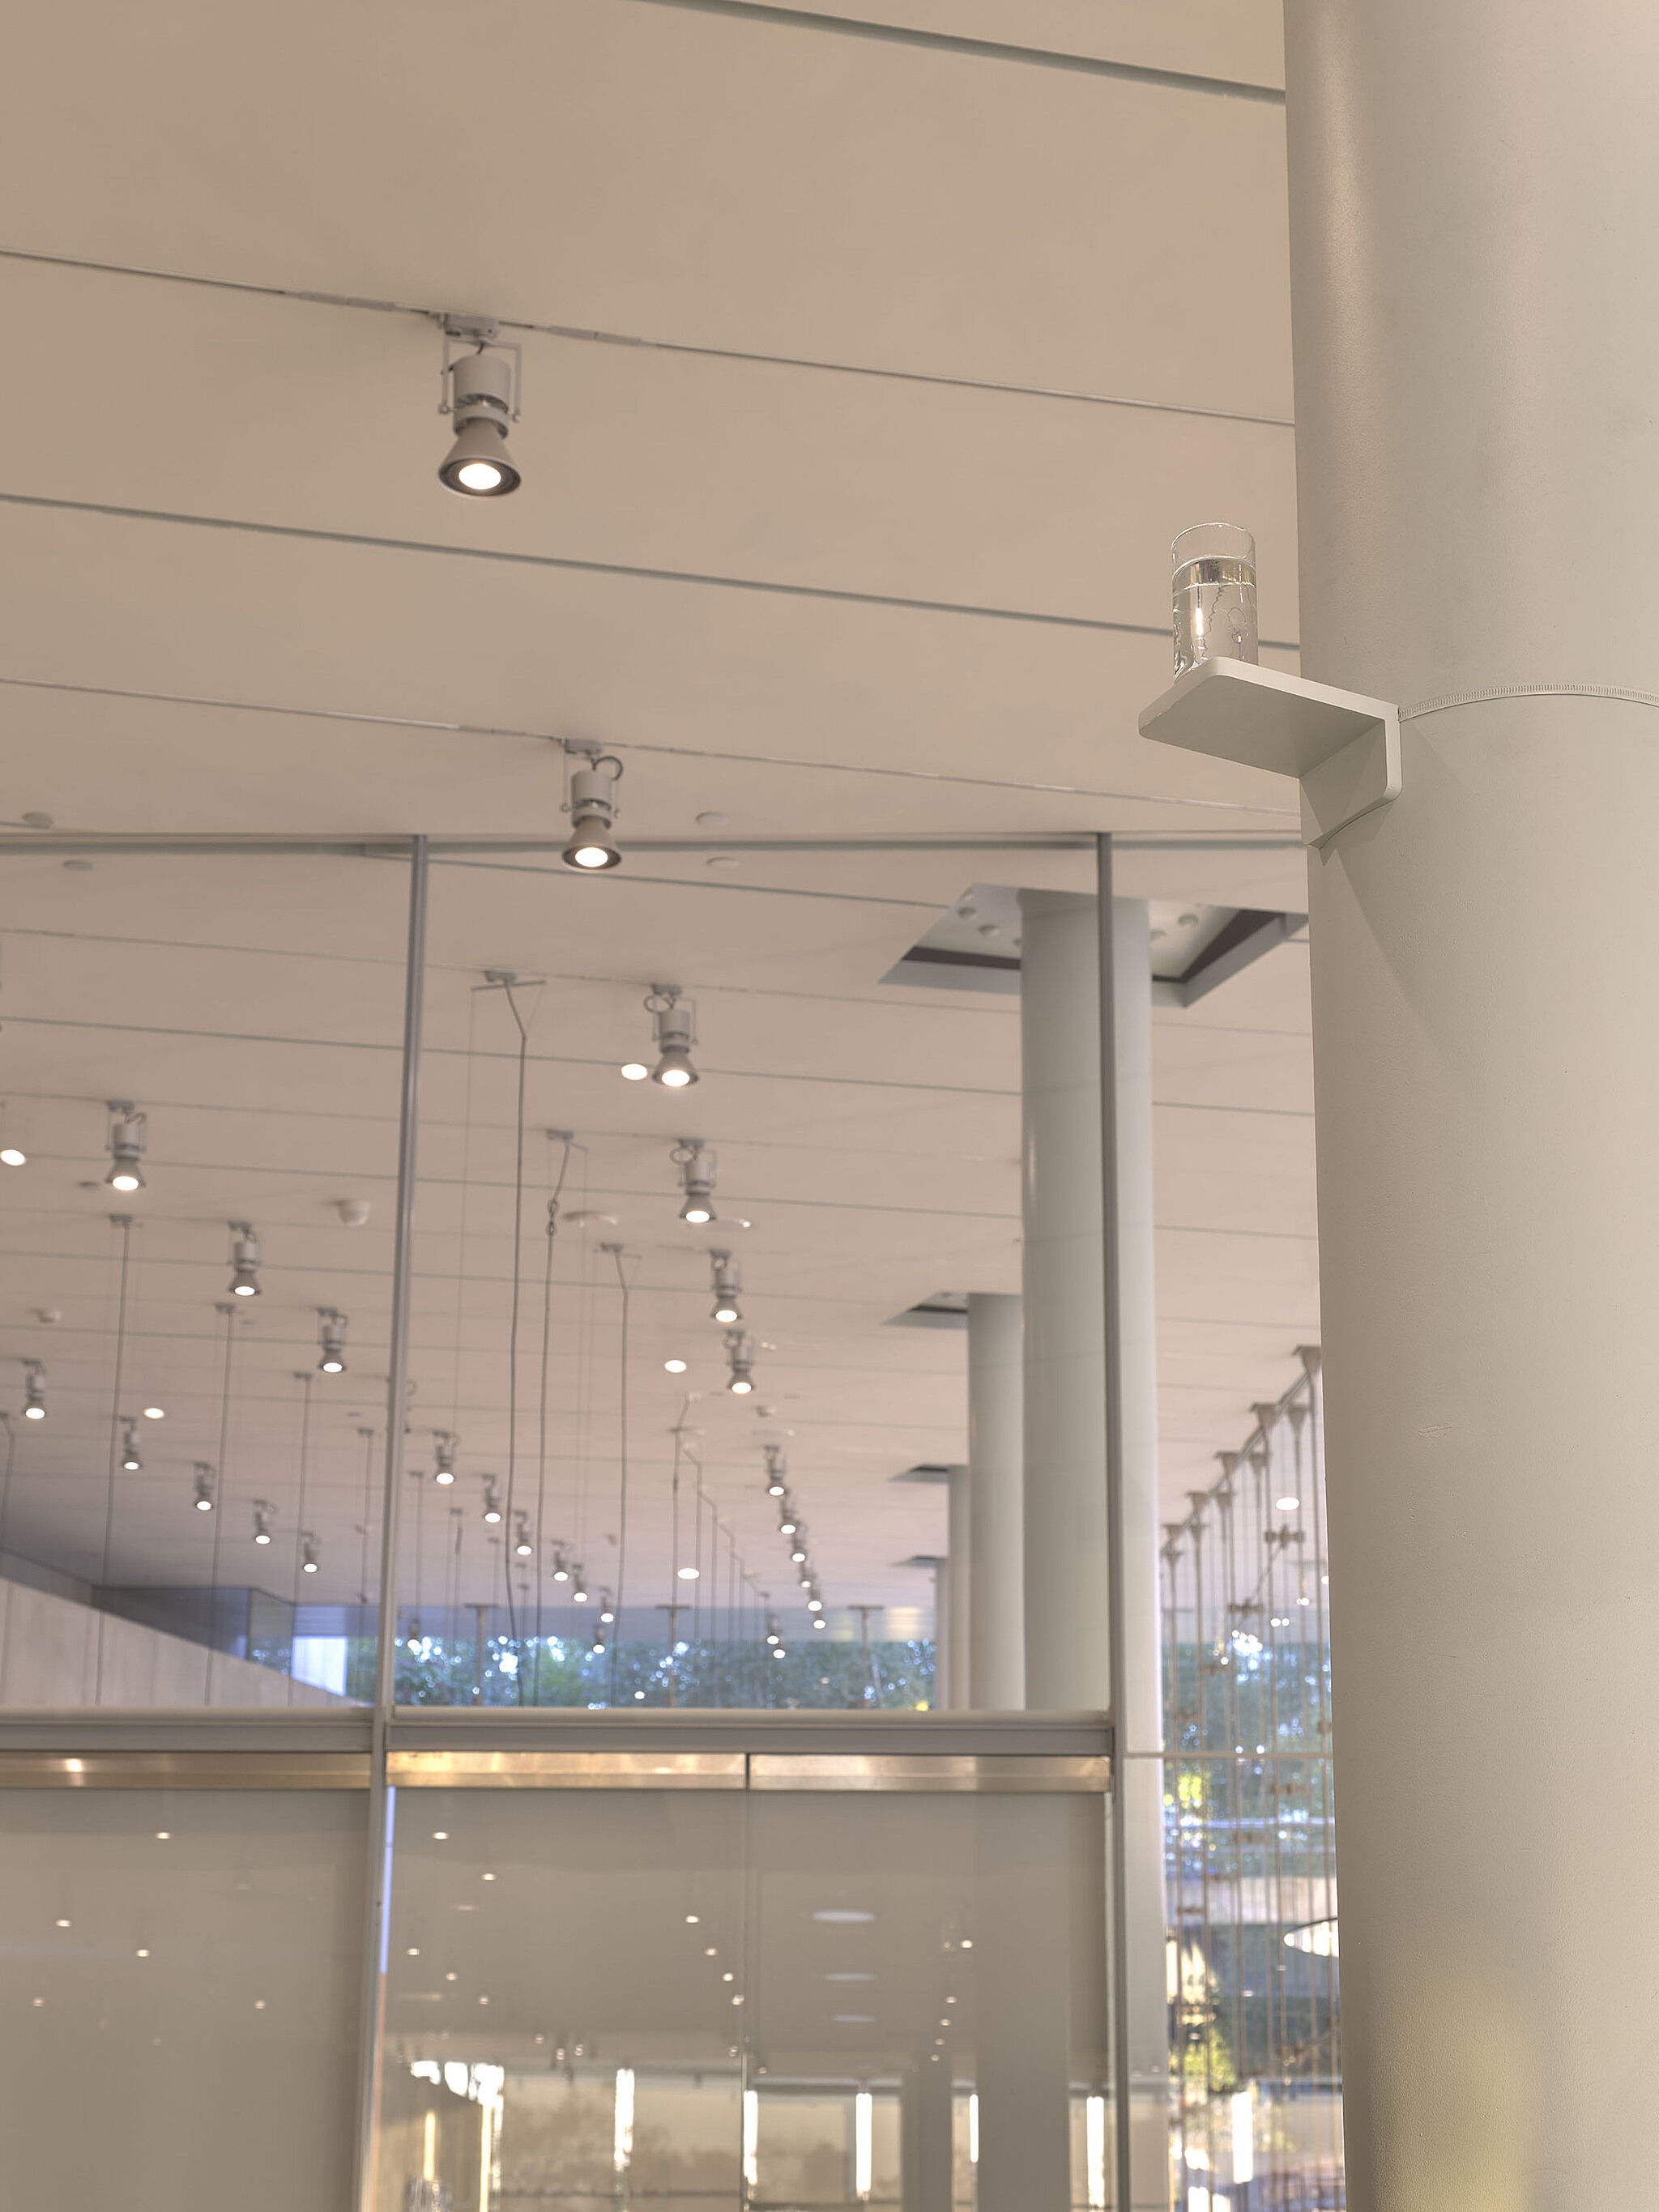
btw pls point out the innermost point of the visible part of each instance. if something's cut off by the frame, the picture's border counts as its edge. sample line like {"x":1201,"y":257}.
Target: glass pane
{"x":181,"y":1986}
{"x":196,"y":1397}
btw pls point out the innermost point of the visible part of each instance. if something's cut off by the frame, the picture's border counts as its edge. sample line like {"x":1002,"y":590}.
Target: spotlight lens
{"x":11,"y":1157}
{"x":246,"y":1290}
{"x":123,"y":1181}
{"x":674,"y":1366}
{"x":725,"y":1313}
{"x":741,"y":1388}
{"x":334,"y":1367}
{"x":262,"y":1538}
{"x":695,"y":1213}
{"x":675,"y":1078}
{"x":204,"y":1506}
{"x":311,"y":1566}
{"x":635,"y":1072}
{"x":689,"y":1574}
{"x":34,"y":1413}
{"x":590,"y":856}
{"x":492,"y":1516}
{"x":155,"y":1413}
{"x":479,"y":476}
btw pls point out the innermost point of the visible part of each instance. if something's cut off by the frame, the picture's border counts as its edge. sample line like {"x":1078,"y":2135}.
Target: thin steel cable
{"x":541,"y":1437}
{"x":523,"y":1028}
{"x":304,"y":1382}
{"x":229,"y":1313}
{"x":368,"y":1434}
{"x":124,"y":1222}
{"x":624,"y":1285}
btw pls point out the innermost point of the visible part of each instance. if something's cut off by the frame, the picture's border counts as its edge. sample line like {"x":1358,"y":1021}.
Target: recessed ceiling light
{"x":674,"y":1366}
{"x":155,"y":1413}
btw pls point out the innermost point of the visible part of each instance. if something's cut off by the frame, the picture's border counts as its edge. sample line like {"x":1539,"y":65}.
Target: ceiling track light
{"x":310,"y":1554}
{"x":444,"y":1444}
{"x":132,"y":1457}
{"x":12,"y":1155}
{"x":798,"y":1547}
{"x":262,"y":1513}
{"x":34,"y":1390}
{"x":332,"y":1336}
{"x":697,"y":1166}
{"x":244,"y":1261}
{"x":482,"y":377}
{"x":674,"y":1029}
{"x":561,"y":1564}
{"x":773,"y":1632}
{"x":777,"y":1468}
{"x":607,"y":1607}
{"x":522,"y":1546}
{"x":740,"y":1361}
{"x":492,"y":1504}
{"x":591,"y":803}
{"x":729,"y":1287}
{"x":204,"y":1498}
{"x":126,"y":1146}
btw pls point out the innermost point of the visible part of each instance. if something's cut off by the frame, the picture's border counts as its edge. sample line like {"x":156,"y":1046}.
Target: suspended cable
{"x":123,"y":1223}
{"x":229,"y":1312}
{"x":541,"y":1438}
{"x":623,"y":1284}
{"x":523,"y":1028}
{"x":299,"y":1531}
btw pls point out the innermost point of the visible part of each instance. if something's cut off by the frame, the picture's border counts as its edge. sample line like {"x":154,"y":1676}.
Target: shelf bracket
{"x":1342,"y":748}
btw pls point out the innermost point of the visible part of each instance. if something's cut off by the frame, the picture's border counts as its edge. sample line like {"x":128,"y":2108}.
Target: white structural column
{"x":996,"y":1605}
{"x":1067,"y":1626}
{"x":1474,"y":195}
{"x":959,"y":1547}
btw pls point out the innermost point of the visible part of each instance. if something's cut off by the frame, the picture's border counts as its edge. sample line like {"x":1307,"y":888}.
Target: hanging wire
{"x":368,"y":1436}
{"x":229,"y":1312}
{"x":304,"y":1382}
{"x":624,"y":1285}
{"x":523,"y":1028}
{"x":541,"y":1437}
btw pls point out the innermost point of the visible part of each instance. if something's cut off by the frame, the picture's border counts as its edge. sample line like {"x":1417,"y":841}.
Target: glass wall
{"x":202,"y":1054}
{"x":704,"y":1997}
{"x":1255,"y":1974}
{"x":178,"y":2005}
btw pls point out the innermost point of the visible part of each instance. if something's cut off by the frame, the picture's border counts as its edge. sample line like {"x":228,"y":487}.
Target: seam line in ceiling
{"x":950,"y":42}
{"x":1150,"y":840}
{"x":575,"y":334}
{"x":835,"y":595}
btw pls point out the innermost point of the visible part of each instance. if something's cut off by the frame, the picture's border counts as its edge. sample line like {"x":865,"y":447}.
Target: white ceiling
{"x":843,"y":593}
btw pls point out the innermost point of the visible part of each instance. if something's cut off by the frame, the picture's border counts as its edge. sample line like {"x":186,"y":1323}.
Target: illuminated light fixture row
{"x":696,"y":1164}
{"x":674,"y":1031}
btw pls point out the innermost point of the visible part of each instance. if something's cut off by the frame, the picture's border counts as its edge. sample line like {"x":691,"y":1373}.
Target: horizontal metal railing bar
{"x":140,"y":1747}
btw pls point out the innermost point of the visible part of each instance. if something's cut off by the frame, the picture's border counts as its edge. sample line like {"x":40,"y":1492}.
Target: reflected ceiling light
{"x":492,"y":1508}
{"x":696,"y":1166}
{"x":132,"y":1458}
{"x":561,"y":1566}
{"x":155,"y":1413}
{"x":34,"y":1394}
{"x":522,"y":1546}
{"x":331,"y":1334}
{"x":592,"y":806}
{"x":740,"y":1360}
{"x":674,"y":1019}
{"x":778,"y":1651}
{"x":728,"y":1284}
{"x":578,"y":1594}
{"x":308,"y":1555}
{"x":777,"y":1466}
{"x":607,"y":1611}
{"x":598,"y":1649}
{"x":261,"y":1521}
{"x":773,"y":1633}
{"x":480,"y":393}
{"x":815,"y":1603}
{"x":126,"y":1146}
{"x":1287,"y":1505}
{"x":203,"y":1500}
{"x":689,"y":1574}
{"x":820,"y":1622}
{"x":244,"y":1261}
{"x":674,"y":1366}
{"x":443,"y":1446}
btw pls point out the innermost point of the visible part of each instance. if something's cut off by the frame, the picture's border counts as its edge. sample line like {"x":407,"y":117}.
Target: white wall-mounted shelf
{"x":1342,"y":748}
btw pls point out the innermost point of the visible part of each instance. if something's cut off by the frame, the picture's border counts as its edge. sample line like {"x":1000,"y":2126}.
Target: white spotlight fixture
{"x":607,"y":1609}
{"x":740,"y":1361}
{"x":598,"y":1649}
{"x":815,"y":1603}
{"x":797,"y":1548}
{"x":578,"y":1593}
{"x":34,"y":1394}
{"x":261,"y":1521}
{"x":522,"y":1546}
{"x":673,"y":1366}
{"x":204,"y":1500}
{"x":674,"y":1024}
{"x":788,"y":1523}
{"x":696,"y":1166}
{"x":444,"y":1444}
{"x":481,"y":393}
{"x":155,"y":1413}
{"x":773,"y":1633}
{"x":820,"y":1622}
{"x":132,"y":1459}
{"x":126,"y":1146}
{"x":561,"y":1564}
{"x":592,"y":809}
{"x":492,"y":1504}
{"x":12,"y":1155}
{"x":728,"y":1286}
{"x":777,"y":1466}
{"x":308,"y":1554}
{"x":244,"y":1261}
{"x":1287,"y":1505}
{"x":331,"y":1334}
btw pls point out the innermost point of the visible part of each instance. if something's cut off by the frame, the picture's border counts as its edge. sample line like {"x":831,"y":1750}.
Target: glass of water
{"x":1213,"y":594}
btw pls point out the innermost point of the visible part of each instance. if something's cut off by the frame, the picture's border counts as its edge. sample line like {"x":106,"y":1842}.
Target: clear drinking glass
{"x":1213,"y":594}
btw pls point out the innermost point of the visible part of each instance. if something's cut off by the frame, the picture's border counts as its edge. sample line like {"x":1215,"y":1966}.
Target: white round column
{"x":996,"y":1605}
{"x":1474,"y":195}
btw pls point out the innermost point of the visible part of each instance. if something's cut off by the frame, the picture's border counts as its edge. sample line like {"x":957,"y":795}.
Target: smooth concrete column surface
{"x":1022,"y":2003}
{"x":1068,"y":1649}
{"x":1475,"y":200}
{"x":996,"y":1606}
{"x":944,"y":1687}
{"x":959,"y":1546}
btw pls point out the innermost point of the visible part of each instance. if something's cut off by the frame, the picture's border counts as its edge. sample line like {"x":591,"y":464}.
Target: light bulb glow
{"x":726,"y":1312}
{"x":204,"y":1506}
{"x":479,"y":476}
{"x":591,"y":856}
{"x":125,"y":1179}
{"x":34,"y":1413}
{"x":675,"y":1078}
{"x":1287,"y":1505}
{"x":673,"y":1366}
{"x":696,"y":1212}
{"x":741,"y":1387}
{"x":635,"y":1071}
{"x":445,"y":1476}
{"x":11,"y":1157}
{"x":689,"y":1574}
{"x":155,"y":1413}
